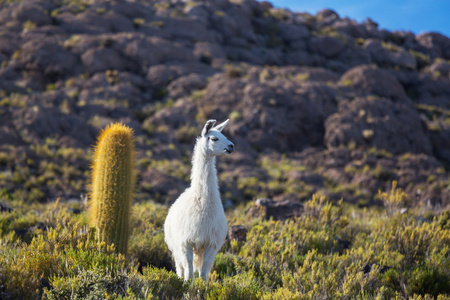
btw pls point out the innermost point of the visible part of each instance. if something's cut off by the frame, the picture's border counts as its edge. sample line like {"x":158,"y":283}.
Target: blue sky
{"x":412,"y":15}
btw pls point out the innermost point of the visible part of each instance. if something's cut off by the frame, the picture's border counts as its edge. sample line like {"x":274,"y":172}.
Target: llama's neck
{"x":204,"y":175}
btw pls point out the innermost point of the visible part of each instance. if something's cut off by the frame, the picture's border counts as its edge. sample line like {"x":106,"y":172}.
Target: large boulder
{"x":46,"y":57}
{"x":377,"y":122}
{"x":37,"y":124}
{"x":89,"y":22}
{"x":438,"y":69}
{"x":327,"y":46}
{"x":101,"y":59}
{"x":197,"y":30}
{"x":185,"y":85}
{"x":370,"y":79}
{"x":147,"y":51}
{"x":277,"y":210}
{"x":26,"y":11}
{"x":436,"y":43}
{"x":159,"y":76}
{"x":389,"y":54}
{"x":292,"y":33}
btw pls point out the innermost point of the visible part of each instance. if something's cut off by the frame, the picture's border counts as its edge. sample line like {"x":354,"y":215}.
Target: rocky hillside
{"x":318,"y":103}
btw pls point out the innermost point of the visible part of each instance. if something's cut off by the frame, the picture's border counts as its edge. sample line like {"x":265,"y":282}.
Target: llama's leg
{"x":208,"y":260}
{"x":198,"y":260}
{"x":180,"y":270}
{"x":187,"y":264}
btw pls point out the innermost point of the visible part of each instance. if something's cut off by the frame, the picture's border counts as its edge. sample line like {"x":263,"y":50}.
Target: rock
{"x":326,"y":45}
{"x":436,"y":43}
{"x":122,"y":92}
{"x":310,"y":178}
{"x":185,"y":85}
{"x":300,"y":57}
{"x":102,"y":59}
{"x":327,"y":14}
{"x":237,"y":233}
{"x":22,"y":232}
{"x":216,"y":3}
{"x":31,"y":12}
{"x":233,"y":23}
{"x":4,"y":207}
{"x":255,"y":56}
{"x":138,"y":50}
{"x":266,"y":5}
{"x":350,"y":28}
{"x":161,"y":75}
{"x":277,"y":210}
{"x":47,"y":57}
{"x":349,"y":58}
{"x":380,"y":123}
{"x":434,"y":92}
{"x":162,"y":184}
{"x":9,"y":136}
{"x":372,"y":80}
{"x":341,"y":244}
{"x":89,"y":22}
{"x":367,"y":268}
{"x":38,"y":123}
{"x":395,"y":56}
{"x":175,"y":117}
{"x":308,"y":74}
{"x":205,"y":49}
{"x":293,"y":32}
{"x":198,"y":12}
{"x":130,"y":10}
{"x":162,"y":51}
{"x":439,"y":69}
{"x":440,"y":139}
{"x":197,"y":30}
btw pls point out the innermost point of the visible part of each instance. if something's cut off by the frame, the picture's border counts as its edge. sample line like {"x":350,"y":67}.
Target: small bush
{"x":394,"y":200}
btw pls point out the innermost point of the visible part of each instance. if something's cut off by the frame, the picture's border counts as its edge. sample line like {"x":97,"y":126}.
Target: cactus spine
{"x":112,"y":185}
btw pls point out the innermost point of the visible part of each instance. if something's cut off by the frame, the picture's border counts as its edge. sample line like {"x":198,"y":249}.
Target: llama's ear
{"x":222,"y":125}
{"x":210,"y":124}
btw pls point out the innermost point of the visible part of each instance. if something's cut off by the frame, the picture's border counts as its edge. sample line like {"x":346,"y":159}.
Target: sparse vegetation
{"x":138,"y":21}
{"x":331,"y":251}
{"x":422,"y":59}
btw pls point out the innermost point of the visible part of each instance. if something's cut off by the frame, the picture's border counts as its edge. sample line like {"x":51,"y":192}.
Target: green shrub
{"x":402,"y":256}
{"x":394,"y":200}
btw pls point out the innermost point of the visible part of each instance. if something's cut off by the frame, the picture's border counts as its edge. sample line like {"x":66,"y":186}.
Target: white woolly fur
{"x":195,"y":228}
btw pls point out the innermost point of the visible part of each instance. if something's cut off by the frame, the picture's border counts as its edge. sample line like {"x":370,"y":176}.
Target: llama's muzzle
{"x":229,"y":149}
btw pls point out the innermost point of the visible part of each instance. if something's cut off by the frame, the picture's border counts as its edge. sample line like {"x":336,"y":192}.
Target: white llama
{"x":195,"y":228}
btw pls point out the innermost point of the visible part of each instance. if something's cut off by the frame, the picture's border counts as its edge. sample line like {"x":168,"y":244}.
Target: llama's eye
{"x":214,"y":139}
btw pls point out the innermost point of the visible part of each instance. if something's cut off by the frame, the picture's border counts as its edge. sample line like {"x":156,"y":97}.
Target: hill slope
{"x":317,"y":103}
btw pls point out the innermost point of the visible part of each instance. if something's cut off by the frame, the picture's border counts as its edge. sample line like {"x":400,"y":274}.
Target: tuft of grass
{"x":138,"y":21}
{"x":28,"y":25}
{"x":422,"y":59}
{"x":393,"y":200}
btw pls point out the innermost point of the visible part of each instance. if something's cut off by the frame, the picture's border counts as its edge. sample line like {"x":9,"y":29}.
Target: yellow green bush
{"x":332,"y":251}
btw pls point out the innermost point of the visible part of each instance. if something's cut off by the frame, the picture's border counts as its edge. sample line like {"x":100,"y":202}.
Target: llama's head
{"x":215,"y":142}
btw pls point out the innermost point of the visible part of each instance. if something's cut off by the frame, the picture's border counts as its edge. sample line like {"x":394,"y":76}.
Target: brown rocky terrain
{"x":318,"y":103}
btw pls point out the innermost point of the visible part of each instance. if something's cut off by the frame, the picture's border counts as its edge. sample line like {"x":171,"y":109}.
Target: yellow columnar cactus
{"x":112,"y":185}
